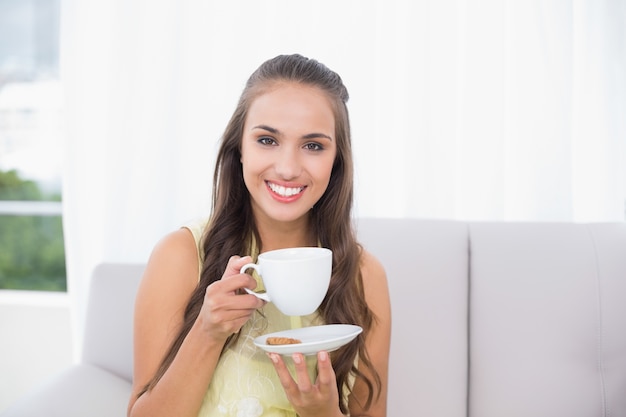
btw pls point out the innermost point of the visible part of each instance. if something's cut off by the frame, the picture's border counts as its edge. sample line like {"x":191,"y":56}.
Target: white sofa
{"x":489,"y":320}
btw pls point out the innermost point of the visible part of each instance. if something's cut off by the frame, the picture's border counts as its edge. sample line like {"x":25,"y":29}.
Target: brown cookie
{"x":282,"y":341}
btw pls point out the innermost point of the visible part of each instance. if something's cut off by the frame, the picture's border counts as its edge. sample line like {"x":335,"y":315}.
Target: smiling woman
{"x":283,"y":179}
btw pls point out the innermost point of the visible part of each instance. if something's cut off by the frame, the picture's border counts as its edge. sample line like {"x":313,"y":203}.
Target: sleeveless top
{"x":245,"y":383}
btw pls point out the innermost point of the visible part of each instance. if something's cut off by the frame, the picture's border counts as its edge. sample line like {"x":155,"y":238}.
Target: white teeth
{"x":285,"y":191}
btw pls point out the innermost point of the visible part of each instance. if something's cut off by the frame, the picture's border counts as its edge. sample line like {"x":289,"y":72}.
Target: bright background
{"x":471,"y":110}
{"x":505,"y":110}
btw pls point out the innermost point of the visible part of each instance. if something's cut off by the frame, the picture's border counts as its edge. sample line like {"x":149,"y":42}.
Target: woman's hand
{"x":309,"y":399}
{"x":224,"y":310}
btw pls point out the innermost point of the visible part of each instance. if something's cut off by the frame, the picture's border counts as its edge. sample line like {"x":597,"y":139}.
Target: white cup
{"x":296,"y":279}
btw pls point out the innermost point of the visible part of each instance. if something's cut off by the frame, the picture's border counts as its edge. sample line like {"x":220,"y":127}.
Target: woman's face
{"x":288,"y":150}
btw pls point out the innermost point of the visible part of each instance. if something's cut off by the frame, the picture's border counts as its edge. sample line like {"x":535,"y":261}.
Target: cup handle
{"x":263,"y":296}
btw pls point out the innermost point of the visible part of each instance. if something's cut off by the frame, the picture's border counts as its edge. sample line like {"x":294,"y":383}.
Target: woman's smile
{"x":285,"y":193}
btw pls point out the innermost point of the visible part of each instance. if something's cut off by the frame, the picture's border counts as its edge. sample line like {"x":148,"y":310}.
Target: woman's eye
{"x":313,"y":147}
{"x":265,"y":140}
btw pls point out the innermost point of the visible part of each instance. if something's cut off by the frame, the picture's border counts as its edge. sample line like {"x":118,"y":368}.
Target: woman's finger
{"x":234,"y":265}
{"x":325,"y":373}
{"x":234,"y":282}
{"x":283,"y":374}
{"x":302,"y":375}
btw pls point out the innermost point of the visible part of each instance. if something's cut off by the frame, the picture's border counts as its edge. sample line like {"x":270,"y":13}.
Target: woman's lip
{"x":284,"y":193}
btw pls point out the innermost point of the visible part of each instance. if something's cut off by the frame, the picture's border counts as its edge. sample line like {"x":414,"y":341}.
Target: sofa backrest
{"x":108,"y":339}
{"x":547,"y":320}
{"x":427,"y":269}
{"x":489,"y":319}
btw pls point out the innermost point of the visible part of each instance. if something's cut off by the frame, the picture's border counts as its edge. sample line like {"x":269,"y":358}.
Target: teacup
{"x":296,"y":279}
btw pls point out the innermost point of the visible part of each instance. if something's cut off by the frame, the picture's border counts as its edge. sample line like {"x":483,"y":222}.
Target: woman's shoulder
{"x":197,"y":228}
{"x":375,"y":283}
{"x":371,"y":266}
{"x":180,"y":243}
{"x":374,"y":275}
{"x":173,"y":263}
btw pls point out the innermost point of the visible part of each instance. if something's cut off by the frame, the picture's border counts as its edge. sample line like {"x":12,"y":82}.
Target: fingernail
{"x":296,"y":358}
{"x":273,"y":357}
{"x":323,"y":356}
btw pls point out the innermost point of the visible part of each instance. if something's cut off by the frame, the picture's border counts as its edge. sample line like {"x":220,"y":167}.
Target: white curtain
{"x":472,"y":110}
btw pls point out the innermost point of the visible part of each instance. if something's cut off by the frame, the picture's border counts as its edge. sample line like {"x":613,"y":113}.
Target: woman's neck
{"x":279,"y":235}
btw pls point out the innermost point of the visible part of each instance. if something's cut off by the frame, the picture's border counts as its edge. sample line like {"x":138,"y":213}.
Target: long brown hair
{"x":232,"y":223}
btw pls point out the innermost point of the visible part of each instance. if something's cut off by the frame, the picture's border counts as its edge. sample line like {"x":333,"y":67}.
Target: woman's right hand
{"x":225,"y":309}
{"x":170,"y":278}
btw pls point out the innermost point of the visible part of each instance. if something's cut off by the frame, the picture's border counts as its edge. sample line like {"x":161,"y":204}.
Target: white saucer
{"x":314,"y":339}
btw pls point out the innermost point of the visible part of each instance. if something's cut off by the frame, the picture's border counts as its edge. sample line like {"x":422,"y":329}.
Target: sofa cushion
{"x":426,"y":263}
{"x":80,"y":391}
{"x":539,"y":335}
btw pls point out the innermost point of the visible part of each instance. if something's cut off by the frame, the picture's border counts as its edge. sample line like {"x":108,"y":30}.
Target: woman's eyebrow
{"x":307,"y":136}
{"x":317,"y":136}
{"x":265,"y":127}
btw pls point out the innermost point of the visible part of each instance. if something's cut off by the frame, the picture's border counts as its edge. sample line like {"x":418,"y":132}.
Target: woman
{"x":283,"y":178}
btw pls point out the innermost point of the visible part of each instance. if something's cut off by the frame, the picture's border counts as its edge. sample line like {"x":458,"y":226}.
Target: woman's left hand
{"x":309,"y":399}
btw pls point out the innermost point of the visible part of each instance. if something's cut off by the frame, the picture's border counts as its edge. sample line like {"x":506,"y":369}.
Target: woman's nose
{"x":287,"y":164}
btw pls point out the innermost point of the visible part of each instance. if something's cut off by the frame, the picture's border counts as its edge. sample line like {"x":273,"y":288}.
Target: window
{"x":32,"y":254}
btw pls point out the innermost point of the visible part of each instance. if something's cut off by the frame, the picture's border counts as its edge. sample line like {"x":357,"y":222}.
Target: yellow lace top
{"x":245,"y":383}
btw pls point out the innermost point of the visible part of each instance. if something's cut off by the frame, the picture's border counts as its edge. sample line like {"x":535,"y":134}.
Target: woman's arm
{"x":170,"y":277}
{"x":378,"y":339}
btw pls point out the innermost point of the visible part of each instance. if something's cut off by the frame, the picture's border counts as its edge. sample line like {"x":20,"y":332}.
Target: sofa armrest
{"x":82,"y":390}
{"x":108,"y":342}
